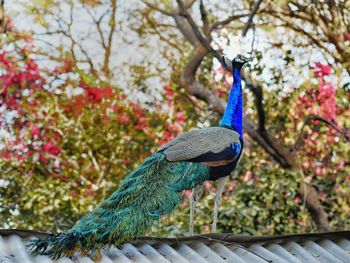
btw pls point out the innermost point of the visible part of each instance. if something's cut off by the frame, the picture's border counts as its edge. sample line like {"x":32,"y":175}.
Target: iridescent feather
{"x":154,"y":188}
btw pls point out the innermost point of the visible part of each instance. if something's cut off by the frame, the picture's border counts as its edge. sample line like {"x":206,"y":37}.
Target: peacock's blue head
{"x":237,"y":63}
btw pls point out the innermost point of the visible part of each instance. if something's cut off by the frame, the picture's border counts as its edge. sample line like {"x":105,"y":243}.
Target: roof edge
{"x":206,"y":238}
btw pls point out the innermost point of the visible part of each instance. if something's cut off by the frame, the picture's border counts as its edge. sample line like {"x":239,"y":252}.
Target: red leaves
{"x":69,"y":104}
{"x":95,"y":95}
{"x":67,"y":66}
{"x":180,"y":118}
{"x":51,"y":148}
{"x":32,"y":67}
{"x":222,"y":91}
{"x":321,"y":101}
{"x":174,"y":128}
{"x":169,"y":94}
{"x":123,"y":118}
{"x":18,"y":79}
{"x":142,"y":124}
{"x":326,"y":98}
{"x":321,"y":70}
{"x":175,"y":125}
{"x":21,"y":79}
{"x":167,"y":136}
{"x":35,"y":131}
{"x":138,"y":111}
{"x":48,"y":152}
{"x":139,"y":116}
{"x":92,"y":96}
{"x":225,"y":81}
{"x":5,"y":61}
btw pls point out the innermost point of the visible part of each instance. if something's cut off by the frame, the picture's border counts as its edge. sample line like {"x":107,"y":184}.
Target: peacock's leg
{"x":217,"y":200}
{"x":196,"y":193}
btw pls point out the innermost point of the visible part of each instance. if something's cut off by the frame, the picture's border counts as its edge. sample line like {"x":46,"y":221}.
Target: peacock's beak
{"x":242,"y":59}
{"x":239,"y":61}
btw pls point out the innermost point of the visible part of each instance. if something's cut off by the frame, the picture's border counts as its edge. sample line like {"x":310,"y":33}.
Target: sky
{"x":131,"y":49}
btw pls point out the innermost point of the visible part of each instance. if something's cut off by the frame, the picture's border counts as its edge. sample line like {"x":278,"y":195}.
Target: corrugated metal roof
{"x":317,"y":247}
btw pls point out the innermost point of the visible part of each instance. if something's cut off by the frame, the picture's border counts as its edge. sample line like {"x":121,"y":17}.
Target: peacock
{"x":154,"y":188}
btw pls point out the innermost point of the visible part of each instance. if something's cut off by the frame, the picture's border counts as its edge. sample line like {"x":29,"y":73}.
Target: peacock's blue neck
{"x":233,"y":115}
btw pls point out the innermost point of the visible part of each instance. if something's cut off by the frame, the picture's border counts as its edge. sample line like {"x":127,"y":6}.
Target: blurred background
{"x":89,"y":88}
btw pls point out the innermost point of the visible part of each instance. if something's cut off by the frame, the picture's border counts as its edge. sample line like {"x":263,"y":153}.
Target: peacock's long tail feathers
{"x":149,"y":192}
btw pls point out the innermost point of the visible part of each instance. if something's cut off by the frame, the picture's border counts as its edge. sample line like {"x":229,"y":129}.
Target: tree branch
{"x":250,"y":19}
{"x":198,"y":34}
{"x":188,"y":80}
{"x":82,"y":50}
{"x":321,"y":19}
{"x":205,"y":21}
{"x":308,"y":120}
{"x":258,"y":94}
{"x":155,"y":7}
{"x":226,"y":21}
{"x":193,"y":87}
{"x":112,"y":24}
{"x":272,"y":145}
{"x":98,"y":24}
{"x":314,"y":207}
{"x":2,"y":17}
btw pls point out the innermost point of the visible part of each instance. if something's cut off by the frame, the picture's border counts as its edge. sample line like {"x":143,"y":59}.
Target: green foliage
{"x":37,"y":202}
{"x":95,"y":133}
{"x":151,"y":191}
{"x":260,"y":199}
{"x":71,"y":151}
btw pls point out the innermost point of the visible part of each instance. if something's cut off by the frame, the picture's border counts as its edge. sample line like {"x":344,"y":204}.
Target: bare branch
{"x":250,"y":19}
{"x":2,"y":17}
{"x":98,"y":24}
{"x":308,"y":120}
{"x":286,"y":158}
{"x":226,"y":21}
{"x":196,"y":31}
{"x":193,"y":87}
{"x":112,"y":24}
{"x":181,"y":23}
{"x":258,"y":94}
{"x":318,"y":42}
{"x":82,"y":50}
{"x":69,"y":24}
{"x":189,"y":82}
{"x":314,"y":206}
{"x":189,"y":3}
{"x":205,"y":21}
{"x":324,"y":20}
{"x":155,"y":7}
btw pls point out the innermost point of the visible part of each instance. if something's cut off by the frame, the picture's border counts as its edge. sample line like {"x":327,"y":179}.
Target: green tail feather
{"x":149,"y":192}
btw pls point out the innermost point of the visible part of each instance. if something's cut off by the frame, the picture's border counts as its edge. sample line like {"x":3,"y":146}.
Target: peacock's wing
{"x":210,"y":143}
{"x":152,"y":190}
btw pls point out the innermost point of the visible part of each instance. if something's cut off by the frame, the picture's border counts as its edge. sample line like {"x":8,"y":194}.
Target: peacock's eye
{"x":154,"y":213}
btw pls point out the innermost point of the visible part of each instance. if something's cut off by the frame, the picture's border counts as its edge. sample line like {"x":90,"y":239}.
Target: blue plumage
{"x":154,"y":188}
{"x":233,"y":115}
